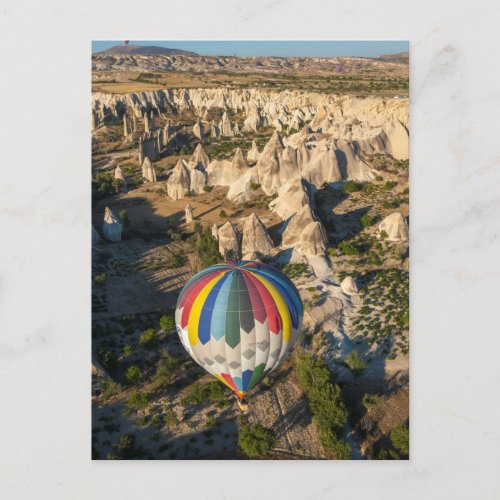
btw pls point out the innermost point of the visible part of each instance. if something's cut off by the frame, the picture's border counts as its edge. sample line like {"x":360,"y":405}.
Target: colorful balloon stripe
{"x":238,"y":319}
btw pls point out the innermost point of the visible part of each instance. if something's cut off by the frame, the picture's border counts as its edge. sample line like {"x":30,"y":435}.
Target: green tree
{"x":400,"y":438}
{"x":133,"y":375}
{"x":167,"y":323}
{"x":148,"y":338}
{"x":327,"y":407}
{"x":255,"y":440}
{"x":311,"y":372}
{"x":355,"y":362}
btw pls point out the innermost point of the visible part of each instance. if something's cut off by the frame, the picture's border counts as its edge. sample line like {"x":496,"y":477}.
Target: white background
{"x":45,"y":431}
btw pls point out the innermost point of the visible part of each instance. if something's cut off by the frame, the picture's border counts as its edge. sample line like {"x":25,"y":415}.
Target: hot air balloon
{"x":338,"y":68}
{"x":238,"y":320}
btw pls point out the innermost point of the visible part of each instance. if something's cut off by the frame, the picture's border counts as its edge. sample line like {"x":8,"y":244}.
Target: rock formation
{"x":111,"y":227}
{"x":296,"y":224}
{"x":253,"y":154}
{"x":149,"y":122}
{"x":256,"y":240}
{"x":395,"y":226}
{"x":128,"y":125}
{"x":348,"y":286}
{"x":226,"y":128}
{"x":374,"y":124}
{"x":229,"y":243}
{"x":215,"y":231}
{"x":291,"y":198}
{"x":148,"y":171}
{"x":178,"y":184}
{"x":119,"y":175}
{"x":189,"y":214}
{"x":198,"y":130}
{"x":199,"y":159}
{"x":224,"y":172}
{"x":313,"y":239}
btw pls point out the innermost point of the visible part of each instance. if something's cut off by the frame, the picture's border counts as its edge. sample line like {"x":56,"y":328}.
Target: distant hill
{"x":146,"y":50}
{"x":402,"y":57}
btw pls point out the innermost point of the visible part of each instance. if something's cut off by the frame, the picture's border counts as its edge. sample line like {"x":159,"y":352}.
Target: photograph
{"x":250,"y":250}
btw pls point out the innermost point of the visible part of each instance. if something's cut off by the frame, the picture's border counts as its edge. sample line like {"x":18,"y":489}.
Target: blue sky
{"x":273,"y":48}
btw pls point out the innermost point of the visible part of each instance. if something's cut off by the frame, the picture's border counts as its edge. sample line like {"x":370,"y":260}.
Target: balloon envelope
{"x":338,"y":68}
{"x":238,"y":320}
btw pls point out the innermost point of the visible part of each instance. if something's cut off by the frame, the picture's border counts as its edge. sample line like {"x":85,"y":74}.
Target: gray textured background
{"x":45,"y":431}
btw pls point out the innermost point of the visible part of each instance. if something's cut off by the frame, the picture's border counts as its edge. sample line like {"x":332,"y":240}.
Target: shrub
{"x":222,"y":213}
{"x":110,"y":389}
{"x":330,"y":441}
{"x":400,"y":438}
{"x":355,"y":363}
{"x":368,"y":189}
{"x":127,"y":350}
{"x":327,"y":407}
{"x":351,"y":186}
{"x":100,"y":279}
{"x":108,"y":359}
{"x":390,"y":185}
{"x":207,"y":189}
{"x":165,"y":370}
{"x":167,"y":323}
{"x":125,"y":449}
{"x":178,"y":259}
{"x":124,"y":217}
{"x":255,"y":440}
{"x":347,"y":248}
{"x":254,"y":186}
{"x":372,"y":400}
{"x":133,"y":375}
{"x":148,"y":338}
{"x":205,"y":245}
{"x":365,"y":220}
{"x":311,"y":372}
{"x":138,"y":401}
{"x":383,"y":234}
{"x":197,"y":393}
{"x":217,"y":392}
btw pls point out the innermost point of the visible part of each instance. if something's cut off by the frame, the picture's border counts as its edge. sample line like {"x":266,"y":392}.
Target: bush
{"x":138,"y":401}
{"x":347,"y":249}
{"x":368,"y":189}
{"x":127,"y":350}
{"x":167,"y":323}
{"x":255,"y":440}
{"x":110,"y":389}
{"x":126,"y":449}
{"x":222,"y":213}
{"x":100,"y":279}
{"x":351,"y":186}
{"x":327,"y":407}
{"x":197,"y":393}
{"x":165,"y":370}
{"x":355,"y":363}
{"x":124,"y":217}
{"x":372,"y":400}
{"x":311,"y":372}
{"x":390,"y":185}
{"x":133,"y":375}
{"x":178,"y":259}
{"x":148,"y":338}
{"x":205,"y":245}
{"x":400,"y":438}
{"x":207,"y":189}
{"x":329,"y":441}
{"x":365,"y":220}
{"x":254,"y":186}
